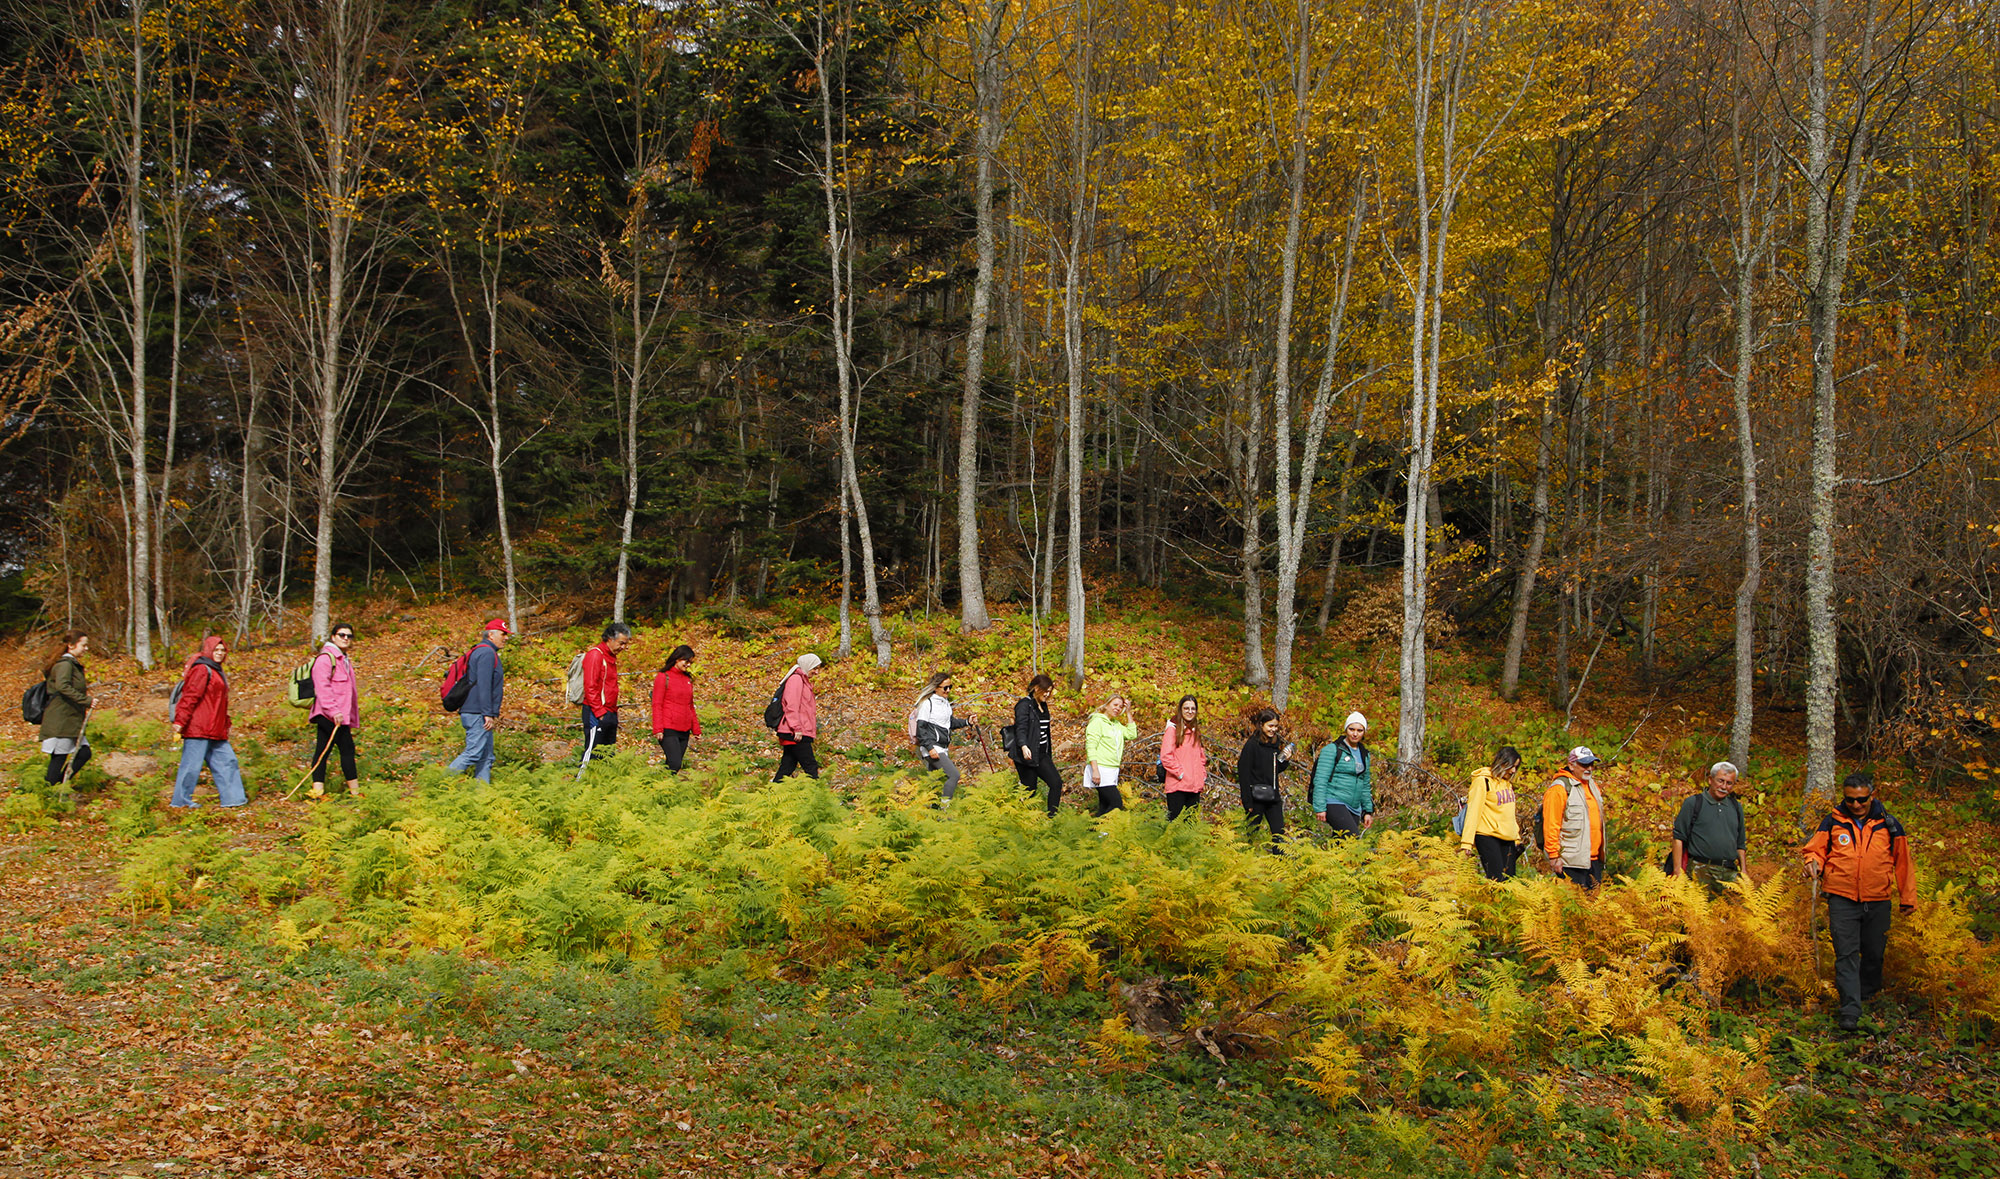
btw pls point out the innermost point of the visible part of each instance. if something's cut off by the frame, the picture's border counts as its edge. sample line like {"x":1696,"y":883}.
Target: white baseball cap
{"x":1582,"y":756}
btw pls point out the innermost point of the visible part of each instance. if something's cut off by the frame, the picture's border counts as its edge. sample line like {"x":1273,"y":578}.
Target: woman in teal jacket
{"x":1342,"y":788}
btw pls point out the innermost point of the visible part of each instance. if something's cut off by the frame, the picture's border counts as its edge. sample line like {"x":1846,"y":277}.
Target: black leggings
{"x":1042,"y":770}
{"x":1182,"y":800}
{"x":1108,"y":800}
{"x":1497,"y":856}
{"x":1344,"y":822}
{"x":1271,"y":814}
{"x":60,"y":767}
{"x":798,"y":756}
{"x":674,"y":743}
{"x":342,"y":738}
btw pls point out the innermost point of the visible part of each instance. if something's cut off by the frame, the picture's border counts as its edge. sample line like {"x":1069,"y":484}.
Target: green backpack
{"x":299,"y":690}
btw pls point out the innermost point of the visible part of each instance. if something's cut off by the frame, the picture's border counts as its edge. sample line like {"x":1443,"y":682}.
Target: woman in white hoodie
{"x":931,"y":725}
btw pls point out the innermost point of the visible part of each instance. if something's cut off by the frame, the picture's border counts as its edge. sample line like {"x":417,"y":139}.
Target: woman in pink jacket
{"x":1183,"y":759}
{"x":336,"y":709}
{"x":800,"y":723}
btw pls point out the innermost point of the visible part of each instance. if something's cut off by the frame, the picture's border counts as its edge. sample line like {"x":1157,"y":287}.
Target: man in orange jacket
{"x":1860,"y":856}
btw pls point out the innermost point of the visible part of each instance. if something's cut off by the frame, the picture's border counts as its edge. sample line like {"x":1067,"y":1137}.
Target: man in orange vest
{"x":1861,"y":856}
{"x":1573,"y":821}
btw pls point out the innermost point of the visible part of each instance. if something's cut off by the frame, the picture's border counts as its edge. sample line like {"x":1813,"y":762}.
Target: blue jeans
{"x":477,"y":759}
{"x":221,"y":762}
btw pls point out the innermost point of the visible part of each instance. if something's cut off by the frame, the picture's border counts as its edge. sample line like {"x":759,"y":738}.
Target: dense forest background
{"x":1649,"y":336}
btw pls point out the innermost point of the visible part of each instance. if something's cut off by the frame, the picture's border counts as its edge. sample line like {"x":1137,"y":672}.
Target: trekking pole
{"x":1812,"y":924}
{"x":317,"y":763}
{"x":979,"y":731}
{"x":589,"y":743}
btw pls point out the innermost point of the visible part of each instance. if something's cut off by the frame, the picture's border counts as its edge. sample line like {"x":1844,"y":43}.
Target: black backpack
{"x":35,"y":702}
{"x":774,"y":712}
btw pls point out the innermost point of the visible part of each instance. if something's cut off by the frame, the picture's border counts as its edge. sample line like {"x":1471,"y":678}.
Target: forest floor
{"x":272,"y":1017}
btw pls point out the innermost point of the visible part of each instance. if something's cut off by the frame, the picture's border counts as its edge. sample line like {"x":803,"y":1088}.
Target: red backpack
{"x":457,"y":685}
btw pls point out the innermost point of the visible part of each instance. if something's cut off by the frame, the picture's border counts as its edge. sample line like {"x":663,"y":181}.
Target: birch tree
{"x":333,"y":79}
{"x":1295,"y":511}
{"x":1463,"y":89}
{"x":1851,"y":91}
{"x":113,"y":307}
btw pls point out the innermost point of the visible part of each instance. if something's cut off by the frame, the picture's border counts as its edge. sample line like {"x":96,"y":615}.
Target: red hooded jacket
{"x":203,"y":713}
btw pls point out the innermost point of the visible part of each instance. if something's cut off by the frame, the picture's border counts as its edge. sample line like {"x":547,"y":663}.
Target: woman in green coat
{"x":62,"y":717}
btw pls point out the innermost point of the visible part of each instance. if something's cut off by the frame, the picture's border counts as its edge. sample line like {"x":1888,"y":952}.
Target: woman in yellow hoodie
{"x":1492,"y":831}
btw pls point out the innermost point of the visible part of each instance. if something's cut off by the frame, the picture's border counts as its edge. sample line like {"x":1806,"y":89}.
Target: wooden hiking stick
{"x":69,"y":763}
{"x":317,"y":763}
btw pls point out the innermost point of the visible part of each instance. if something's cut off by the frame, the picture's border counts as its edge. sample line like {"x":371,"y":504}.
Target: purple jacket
{"x":335,"y":694}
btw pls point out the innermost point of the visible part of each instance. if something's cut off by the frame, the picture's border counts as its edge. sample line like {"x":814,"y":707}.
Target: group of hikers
{"x":1859,"y":855}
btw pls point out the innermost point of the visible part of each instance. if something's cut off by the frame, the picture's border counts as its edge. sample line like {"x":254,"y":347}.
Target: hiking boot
{"x":1850,"y":1023}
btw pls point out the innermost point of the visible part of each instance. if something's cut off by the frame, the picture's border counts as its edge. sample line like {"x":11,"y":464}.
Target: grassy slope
{"x":199,"y":1037}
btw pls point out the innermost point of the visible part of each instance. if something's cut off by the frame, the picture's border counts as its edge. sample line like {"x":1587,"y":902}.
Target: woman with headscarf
{"x":201,"y":721}
{"x":798,"y":720}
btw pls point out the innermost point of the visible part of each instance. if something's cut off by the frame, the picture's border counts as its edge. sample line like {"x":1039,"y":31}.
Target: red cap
{"x":499,"y":624}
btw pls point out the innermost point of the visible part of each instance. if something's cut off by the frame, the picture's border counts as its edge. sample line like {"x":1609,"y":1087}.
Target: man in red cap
{"x":480,"y":714}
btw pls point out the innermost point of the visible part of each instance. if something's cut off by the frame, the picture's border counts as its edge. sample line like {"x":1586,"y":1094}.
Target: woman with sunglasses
{"x":336,"y":710}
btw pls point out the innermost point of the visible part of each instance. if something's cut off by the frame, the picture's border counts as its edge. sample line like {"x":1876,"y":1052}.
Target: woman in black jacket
{"x":1032,"y":749}
{"x":1257,"y":769}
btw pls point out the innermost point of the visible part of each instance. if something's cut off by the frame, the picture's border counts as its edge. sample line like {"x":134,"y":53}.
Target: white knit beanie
{"x":1355,"y":718}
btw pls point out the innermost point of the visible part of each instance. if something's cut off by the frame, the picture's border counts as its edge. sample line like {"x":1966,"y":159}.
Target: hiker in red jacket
{"x":675,"y":724}
{"x":600,"y":690}
{"x":201,"y":721}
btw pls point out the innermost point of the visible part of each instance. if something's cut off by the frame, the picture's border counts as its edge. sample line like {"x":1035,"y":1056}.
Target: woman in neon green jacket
{"x":1104,"y":746}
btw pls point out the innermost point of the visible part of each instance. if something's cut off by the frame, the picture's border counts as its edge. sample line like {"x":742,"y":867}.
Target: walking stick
{"x":1812,"y":924}
{"x":589,"y":743}
{"x":979,"y":731}
{"x":69,"y":763}
{"x":317,"y":763}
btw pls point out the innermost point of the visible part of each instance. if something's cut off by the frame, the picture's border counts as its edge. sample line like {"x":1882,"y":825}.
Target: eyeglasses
{"x":1863,"y":799}
{"x":345,"y":634}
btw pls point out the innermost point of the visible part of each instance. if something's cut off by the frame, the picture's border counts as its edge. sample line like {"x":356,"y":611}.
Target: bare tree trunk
{"x":986,"y":77}
{"x":629,"y":434}
{"x":1753,"y":237}
{"x":1833,"y":193}
{"x":141,"y":513}
{"x":836,"y":189}
{"x":1339,"y":535}
{"x":247,"y":554}
{"x":1294,"y":513}
{"x":1080,"y":208}
{"x":1251,"y":482}
{"x":1531,"y":557}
